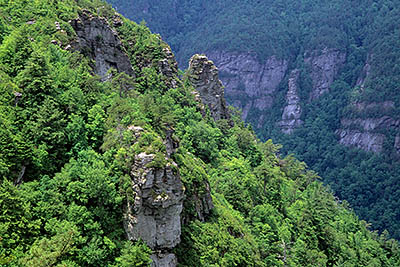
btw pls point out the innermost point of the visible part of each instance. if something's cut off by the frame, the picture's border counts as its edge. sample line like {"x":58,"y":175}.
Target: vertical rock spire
{"x":203,"y":74}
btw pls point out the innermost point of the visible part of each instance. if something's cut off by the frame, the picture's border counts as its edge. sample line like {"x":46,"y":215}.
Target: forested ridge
{"x":365,"y":31}
{"x":69,"y":142}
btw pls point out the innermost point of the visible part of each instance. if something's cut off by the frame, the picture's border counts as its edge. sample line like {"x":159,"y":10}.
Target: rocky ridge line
{"x":154,"y":210}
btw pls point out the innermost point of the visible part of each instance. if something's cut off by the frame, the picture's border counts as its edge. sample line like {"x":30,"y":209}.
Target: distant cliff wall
{"x":248,"y":83}
{"x":251,"y":85}
{"x":370,"y":123}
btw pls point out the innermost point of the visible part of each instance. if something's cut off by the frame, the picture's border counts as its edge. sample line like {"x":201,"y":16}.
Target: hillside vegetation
{"x":68,"y":150}
{"x":366,"y":31}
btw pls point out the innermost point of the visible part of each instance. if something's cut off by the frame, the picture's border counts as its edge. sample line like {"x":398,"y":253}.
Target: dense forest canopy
{"x":366,"y":31}
{"x":284,"y":28}
{"x":68,"y":147}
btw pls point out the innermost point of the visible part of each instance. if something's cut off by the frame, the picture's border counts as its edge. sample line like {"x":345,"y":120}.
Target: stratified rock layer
{"x":97,"y":39}
{"x":368,"y":133}
{"x":203,"y":74}
{"x":370,"y":122}
{"x":292,"y":111}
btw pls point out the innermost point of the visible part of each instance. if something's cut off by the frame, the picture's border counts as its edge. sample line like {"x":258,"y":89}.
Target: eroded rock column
{"x":153,"y":213}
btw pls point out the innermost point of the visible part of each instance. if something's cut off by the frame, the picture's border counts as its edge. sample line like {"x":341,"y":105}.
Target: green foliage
{"x":134,"y":255}
{"x":223,"y":241}
{"x":364,"y":30}
{"x":68,"y":143}
{"x":281,"y":28}
{"x":47,"y":252}
{"x":18,"y":225}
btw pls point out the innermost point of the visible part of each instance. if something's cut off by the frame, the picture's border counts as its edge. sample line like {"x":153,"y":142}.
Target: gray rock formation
{"x":366,"y":133}
{"x":324,"y":66}
{"x":97,"y":39}
{"x":369,"y":132}
{"x":164,"y":260}
{"x":365,"y":140}
{"x":251,"y":85}
{"x":248,"y":83}
{"x":154,"y":213}
{"x":292,"y":111}
{"x":203,"y":74}
{"x":169,"y":68}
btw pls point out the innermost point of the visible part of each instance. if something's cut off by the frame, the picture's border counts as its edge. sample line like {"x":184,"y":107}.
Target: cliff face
{"x":98,"y":40}
{"x":370,"y":122}
{"x":369,"y":133}
{"x":154,"y":213}
{"x":248,"y":83}
{"x":252,"y":86}
{"x":324,"y":67}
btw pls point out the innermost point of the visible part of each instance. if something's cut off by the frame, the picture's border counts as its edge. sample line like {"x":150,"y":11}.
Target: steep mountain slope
{"x":111,"y":157}
{"x":324,"y":73}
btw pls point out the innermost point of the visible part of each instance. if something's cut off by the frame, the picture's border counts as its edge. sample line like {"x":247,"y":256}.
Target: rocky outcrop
{"x":292,"y":111}
{"x":248,"y":83}
{"x":365,"y":140}
{"x":169,"y":68}
{"x":324,"y":67}
{"x":203,"y":74}
{"x":370,"y":122}
{"x":153,"y":213}
{"x":366,"y":133}
{"x":98,"y":40}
